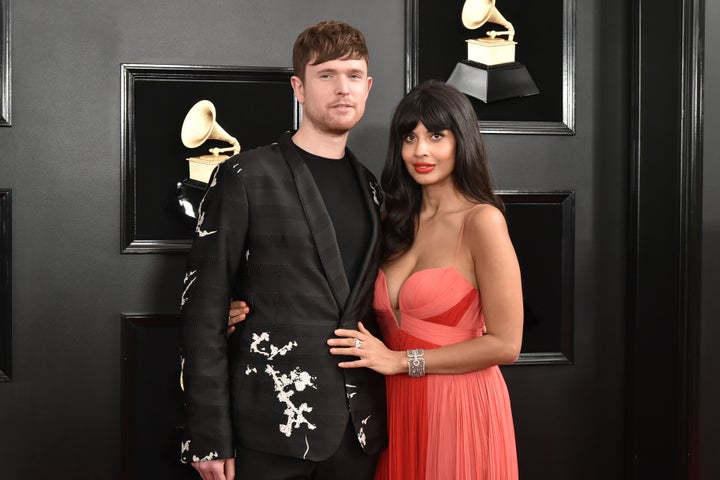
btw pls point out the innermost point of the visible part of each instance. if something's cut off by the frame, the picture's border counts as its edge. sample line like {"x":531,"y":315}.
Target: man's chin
{"x":340,"y":128}
{"x":337,"y":132}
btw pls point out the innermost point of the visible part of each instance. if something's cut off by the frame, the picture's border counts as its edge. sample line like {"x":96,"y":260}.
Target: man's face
{"x":333,"y":94}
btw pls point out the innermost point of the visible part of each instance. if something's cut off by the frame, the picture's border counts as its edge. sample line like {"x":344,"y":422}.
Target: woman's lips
{"x":421,"y":167}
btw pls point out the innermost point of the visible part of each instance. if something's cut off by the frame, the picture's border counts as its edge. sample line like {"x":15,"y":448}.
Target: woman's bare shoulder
{"x":485,"y":221}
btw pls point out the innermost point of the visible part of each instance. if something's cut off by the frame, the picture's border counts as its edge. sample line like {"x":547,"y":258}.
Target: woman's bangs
{"x":423,"y":111}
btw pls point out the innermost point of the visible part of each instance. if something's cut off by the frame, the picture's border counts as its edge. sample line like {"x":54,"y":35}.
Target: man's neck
{"x":321,"y":144}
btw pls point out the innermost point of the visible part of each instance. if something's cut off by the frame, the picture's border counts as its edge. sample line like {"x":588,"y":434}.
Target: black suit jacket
{"x":263,"y":230}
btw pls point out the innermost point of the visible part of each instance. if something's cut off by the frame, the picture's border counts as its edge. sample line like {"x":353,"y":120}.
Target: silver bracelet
{"x":416,"y":362}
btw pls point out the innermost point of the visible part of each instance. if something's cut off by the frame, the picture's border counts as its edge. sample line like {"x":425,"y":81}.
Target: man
{"x":293,"y":229}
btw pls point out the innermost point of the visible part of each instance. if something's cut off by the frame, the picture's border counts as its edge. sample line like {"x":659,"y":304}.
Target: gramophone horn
{"x":476,"y":13}
{"x":200,"y":125}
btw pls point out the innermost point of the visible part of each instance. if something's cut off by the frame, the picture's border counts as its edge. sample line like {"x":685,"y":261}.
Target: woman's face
{"x":429,"y":156}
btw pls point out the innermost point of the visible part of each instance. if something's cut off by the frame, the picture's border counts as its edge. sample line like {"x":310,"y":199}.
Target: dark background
{"x":606,"y":416}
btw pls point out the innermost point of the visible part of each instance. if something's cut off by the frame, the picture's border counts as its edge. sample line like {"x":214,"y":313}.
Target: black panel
{"x":542,"y":229}
{"x":152,"y":399}
{"x":254,"y":104}
{"x":5,"y":285}
{"x":545,"y":32}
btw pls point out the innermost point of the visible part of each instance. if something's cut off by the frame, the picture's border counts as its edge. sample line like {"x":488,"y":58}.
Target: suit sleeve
{"x":218,"y":248}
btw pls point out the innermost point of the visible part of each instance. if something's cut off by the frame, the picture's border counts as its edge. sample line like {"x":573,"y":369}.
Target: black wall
{"x":61,"y":416}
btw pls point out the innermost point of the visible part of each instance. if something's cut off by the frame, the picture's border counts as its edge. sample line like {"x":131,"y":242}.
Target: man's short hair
{"x":325,"y":41}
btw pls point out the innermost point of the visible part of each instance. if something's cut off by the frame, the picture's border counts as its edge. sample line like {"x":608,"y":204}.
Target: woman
{"x":448,"y":297}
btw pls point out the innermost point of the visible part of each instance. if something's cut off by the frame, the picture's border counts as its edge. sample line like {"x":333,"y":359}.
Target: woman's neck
{"x":438,"y":199}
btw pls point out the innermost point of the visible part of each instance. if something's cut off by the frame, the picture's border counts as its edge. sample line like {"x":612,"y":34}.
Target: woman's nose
{"x":420,"y":148}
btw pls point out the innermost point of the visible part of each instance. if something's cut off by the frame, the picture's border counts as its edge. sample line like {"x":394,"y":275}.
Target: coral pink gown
{"x":442,"y":427}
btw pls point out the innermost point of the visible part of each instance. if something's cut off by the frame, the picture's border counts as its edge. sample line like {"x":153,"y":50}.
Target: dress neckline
{"x":404,"y":283}
{"x":453,"y":267}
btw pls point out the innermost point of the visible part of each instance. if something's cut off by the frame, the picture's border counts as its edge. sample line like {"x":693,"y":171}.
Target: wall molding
{"x":664,"y":238}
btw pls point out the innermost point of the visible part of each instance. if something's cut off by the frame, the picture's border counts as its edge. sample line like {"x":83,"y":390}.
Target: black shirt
{"x":340,"y":190}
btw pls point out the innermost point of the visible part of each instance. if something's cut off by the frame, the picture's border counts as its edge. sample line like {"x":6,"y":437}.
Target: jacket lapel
{"x":319,"y":222}
{"x":373,"y":196}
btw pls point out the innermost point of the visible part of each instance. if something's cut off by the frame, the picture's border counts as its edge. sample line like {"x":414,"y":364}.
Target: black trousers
{"x":349,"y":462}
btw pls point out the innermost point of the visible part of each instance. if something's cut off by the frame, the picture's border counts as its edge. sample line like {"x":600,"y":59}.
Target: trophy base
{"x":189,"y":194}
{"x":491,"y":51}
{"x":201,"y":168}
{"x":490,"y":83}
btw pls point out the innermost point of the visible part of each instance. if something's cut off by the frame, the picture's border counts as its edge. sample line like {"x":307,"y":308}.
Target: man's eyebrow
{"x":340,"y":70}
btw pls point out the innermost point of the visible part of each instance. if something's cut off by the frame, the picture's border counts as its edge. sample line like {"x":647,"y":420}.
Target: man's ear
{"x":298,"y":88}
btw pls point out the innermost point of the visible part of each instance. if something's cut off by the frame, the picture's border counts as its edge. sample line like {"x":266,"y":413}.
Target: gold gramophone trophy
{"x":199,"y":126}
{"x":490,"y":72}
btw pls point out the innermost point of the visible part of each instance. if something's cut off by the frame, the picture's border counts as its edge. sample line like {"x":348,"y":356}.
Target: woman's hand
{"x":237,"y":313}
{"x":371,"y":351}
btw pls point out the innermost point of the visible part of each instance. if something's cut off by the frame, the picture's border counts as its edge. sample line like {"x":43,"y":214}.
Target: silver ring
{"x":358,"y":343}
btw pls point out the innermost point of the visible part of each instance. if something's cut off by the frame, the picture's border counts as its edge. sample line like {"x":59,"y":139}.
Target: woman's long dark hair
{"x":439,"y":107}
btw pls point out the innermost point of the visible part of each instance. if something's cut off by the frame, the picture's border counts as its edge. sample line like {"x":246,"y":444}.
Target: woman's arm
{"x":497,"y":274}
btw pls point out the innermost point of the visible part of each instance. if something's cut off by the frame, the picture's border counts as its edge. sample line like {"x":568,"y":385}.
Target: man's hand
{"x":220,"y":469}
{"x":237,"y":313}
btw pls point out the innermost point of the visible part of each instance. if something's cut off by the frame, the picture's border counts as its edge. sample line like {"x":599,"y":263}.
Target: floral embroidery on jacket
{"x":285,"y":384}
